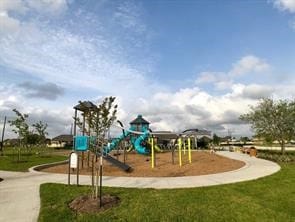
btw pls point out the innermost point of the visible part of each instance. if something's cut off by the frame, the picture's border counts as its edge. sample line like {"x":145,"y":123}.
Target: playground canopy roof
{"x":139,"y":120}
{"x":85,"y":106}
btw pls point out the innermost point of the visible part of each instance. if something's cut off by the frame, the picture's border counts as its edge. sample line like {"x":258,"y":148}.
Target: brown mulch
{"x":203,"y":163}
{"x":88,"y":204}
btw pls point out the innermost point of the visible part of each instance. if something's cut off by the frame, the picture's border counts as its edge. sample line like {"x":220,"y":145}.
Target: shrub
{"x":276,"y":156}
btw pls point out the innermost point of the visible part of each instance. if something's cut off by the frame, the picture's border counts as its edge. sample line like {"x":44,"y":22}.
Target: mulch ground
{"x":203,"y":163}
{"x":88,"y":204}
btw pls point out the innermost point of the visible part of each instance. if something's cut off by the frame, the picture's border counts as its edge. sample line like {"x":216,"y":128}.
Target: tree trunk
{"x":283,"y":147}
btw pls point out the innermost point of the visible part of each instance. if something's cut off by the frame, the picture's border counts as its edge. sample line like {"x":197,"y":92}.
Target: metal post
{"x":100,"y":173}
{"x":179,"y":151}
{"x":83,"y":133}
{"x":78,"y":170}
{"x":82,"y":163}
{"x":100,"y":183}
{"x":124,"y":153}
{"x":69,"y":173}
{"x":88,"y":158}
{"x":96,"y":184}
{"x":2,"y":139}
{"x":75,"y":123}
{"x":173,"y":155}
{"x":184,"y":146}
{"x":189,"y":150}
{"x":83,"y":125}
{"x":92,"y":172}
{"x":75,"y":128}
{"x":153,"y":152}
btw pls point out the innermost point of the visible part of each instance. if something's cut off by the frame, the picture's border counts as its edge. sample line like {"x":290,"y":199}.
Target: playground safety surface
{"x":203,"y":163}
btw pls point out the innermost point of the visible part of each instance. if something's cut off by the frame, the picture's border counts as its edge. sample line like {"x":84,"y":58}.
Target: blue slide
{"x":138,"y":143}
{"x":115,"y":142}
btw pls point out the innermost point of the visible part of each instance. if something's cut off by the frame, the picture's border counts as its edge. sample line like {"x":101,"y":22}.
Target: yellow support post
{"x":153,"y":153}
{"x":184,"y":146}
{"x":179,"y":151}
{"x":189,"y":150}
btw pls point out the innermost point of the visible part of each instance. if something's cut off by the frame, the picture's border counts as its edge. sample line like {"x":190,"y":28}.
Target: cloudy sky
{"x":181,"y":64}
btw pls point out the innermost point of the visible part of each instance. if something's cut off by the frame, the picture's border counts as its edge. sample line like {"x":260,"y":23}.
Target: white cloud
{"x":285,"y":5}
{"x":12,"y":5}
{"x":207,"y":77}
{"x":59,"y":119}
{"x":8,"y":24}
{"x":73,"y":60}
{"x":255,"y":91}
{"x":48,"y":6}
{"x":248,"y":64}
{"x":128,"y":14}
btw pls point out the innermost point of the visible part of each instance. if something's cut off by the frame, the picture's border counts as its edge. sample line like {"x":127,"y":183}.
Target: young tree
{"x":105,"y":116}
{"x":40,"y":128}
{"x":274,"y":120}
{"x":100,"y":119}
{"x":21,"y":127}
{"x":216,"y":139}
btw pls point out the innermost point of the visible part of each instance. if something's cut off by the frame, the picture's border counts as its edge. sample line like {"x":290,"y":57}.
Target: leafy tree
{"x":100,"y":119}
{"x":33,"y":139}
{"x":21,"y":127}
{"x":216,"y":139}
{"x":40,"y":128}
{"x":244,"y":139}
{"x":274,"y":120}
{"x":105,"y":116}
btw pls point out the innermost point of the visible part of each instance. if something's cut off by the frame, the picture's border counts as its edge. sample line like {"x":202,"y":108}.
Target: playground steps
{"x":117,"y":163}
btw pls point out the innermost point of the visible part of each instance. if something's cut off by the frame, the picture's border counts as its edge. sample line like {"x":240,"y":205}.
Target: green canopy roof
{"x":139,"y":121}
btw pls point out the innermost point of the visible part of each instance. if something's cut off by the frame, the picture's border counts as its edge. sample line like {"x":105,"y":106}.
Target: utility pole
{"x":2,"y":139}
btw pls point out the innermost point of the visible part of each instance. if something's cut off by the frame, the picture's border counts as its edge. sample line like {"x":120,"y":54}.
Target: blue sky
{"x":181,"y":64}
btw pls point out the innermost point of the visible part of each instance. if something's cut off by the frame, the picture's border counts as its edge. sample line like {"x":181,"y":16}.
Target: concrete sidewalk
{"x":19,"y":192}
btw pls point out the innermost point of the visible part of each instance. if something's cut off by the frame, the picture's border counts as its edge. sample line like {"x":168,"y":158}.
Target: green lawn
{"x":28,"y":159}
{"x":268,"y":199}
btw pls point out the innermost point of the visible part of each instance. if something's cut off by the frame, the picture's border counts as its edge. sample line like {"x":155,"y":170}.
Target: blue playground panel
{"x":81,"y":143}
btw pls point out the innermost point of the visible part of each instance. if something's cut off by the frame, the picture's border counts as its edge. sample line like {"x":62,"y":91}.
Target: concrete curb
{"x":254,"y":168}
{"x":36,"y":169}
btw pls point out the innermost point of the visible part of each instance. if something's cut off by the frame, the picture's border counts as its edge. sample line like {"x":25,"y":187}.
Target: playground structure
{"x":139,"y":136}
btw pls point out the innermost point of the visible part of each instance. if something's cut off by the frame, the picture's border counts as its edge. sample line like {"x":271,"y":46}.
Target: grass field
{"x":268,"y":199}
{"x":28,"y":159}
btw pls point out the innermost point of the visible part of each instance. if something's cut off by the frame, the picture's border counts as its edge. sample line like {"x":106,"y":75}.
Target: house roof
{"x":139,"y":120}
{"x":197,"y":132}
{"x":85,"y":106}
{"x":63,"y":138}
{"x":165,"y":135}
{"x":11,"y":141}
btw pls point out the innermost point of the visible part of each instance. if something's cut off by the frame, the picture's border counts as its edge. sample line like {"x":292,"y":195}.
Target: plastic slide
{"x":137,"y":144}
{"x":115,"y":142}
{"x":158,"y":149}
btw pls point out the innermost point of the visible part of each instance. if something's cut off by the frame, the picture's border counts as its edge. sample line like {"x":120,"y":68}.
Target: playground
{"x":203,"y":163}
{"x":136,"y":157}
{"x":139,"y":152}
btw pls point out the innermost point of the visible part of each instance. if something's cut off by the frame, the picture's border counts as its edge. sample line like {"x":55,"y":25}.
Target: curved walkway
{"x":19,"y":192}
